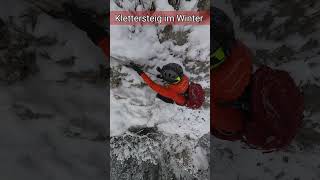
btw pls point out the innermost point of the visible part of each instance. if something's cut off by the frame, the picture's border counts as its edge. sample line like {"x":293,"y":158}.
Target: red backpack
{"x":276,"y":110}
{"x":195,"y":96}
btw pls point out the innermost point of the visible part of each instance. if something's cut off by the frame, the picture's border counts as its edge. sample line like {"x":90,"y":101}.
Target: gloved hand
{"x":159,"y":76}
{"x":159,"y":69}
{"x":136,"y":68}
{"x":85,"y":22}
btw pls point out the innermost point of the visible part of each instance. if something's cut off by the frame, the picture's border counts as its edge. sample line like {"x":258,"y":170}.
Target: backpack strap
{"x":165,"y":99}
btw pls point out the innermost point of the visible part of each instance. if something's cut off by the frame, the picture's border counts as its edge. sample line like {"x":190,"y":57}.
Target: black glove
{"x":159,"y":76}
{"x":136,"y":68}
{"x":84,"y":21}
{"x":159,"y":69}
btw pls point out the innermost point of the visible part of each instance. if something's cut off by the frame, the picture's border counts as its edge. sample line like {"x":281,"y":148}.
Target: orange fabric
{"x":230,"y":79}
{"x":172,"y":91}
{"x":104,"y":44}
{"x":228,"y":83}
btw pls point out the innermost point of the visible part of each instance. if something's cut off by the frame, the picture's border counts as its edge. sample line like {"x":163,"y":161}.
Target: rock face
{"x":275,"y":19}
{"x":158,"y":141}
{"x":53,"y":110}
{"x":53,"y":106}
{"x":153,"y":155}
{"x":291,"y":24}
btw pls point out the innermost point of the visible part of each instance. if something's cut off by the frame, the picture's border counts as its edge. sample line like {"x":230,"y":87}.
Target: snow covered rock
{"x":149,"y":138}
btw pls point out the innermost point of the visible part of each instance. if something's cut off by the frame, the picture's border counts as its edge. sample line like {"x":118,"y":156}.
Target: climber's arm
{"x":163,"y":90}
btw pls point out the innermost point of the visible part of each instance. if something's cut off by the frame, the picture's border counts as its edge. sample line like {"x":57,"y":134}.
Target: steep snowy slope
{"x":148,"y":134}
{"x":53,"y":107}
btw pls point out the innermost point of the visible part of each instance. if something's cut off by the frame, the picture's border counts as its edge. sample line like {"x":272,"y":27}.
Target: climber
{"x":178,"y":89}
{"x":263,"y":109}
{"x":230,"y":75}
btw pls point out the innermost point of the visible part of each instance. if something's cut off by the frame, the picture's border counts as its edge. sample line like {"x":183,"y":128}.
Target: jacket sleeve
{"x":164,"y":91}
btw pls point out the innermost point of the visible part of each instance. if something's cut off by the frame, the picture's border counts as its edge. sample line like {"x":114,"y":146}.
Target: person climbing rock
{"x":230,"y":75}
{"x":177,"y":83}
{"x":263,"y":109}
{"x":177,"y":88}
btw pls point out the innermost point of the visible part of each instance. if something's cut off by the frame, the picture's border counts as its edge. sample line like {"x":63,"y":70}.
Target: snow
{"x":134,"y":104}
{"x":144,"y":48}
{"x":44,"y":147}
{"x":58,"y":140}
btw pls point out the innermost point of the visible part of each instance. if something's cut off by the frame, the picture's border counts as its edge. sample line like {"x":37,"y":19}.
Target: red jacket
{"x":173,"y":91}
{"x":227,"y":84}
